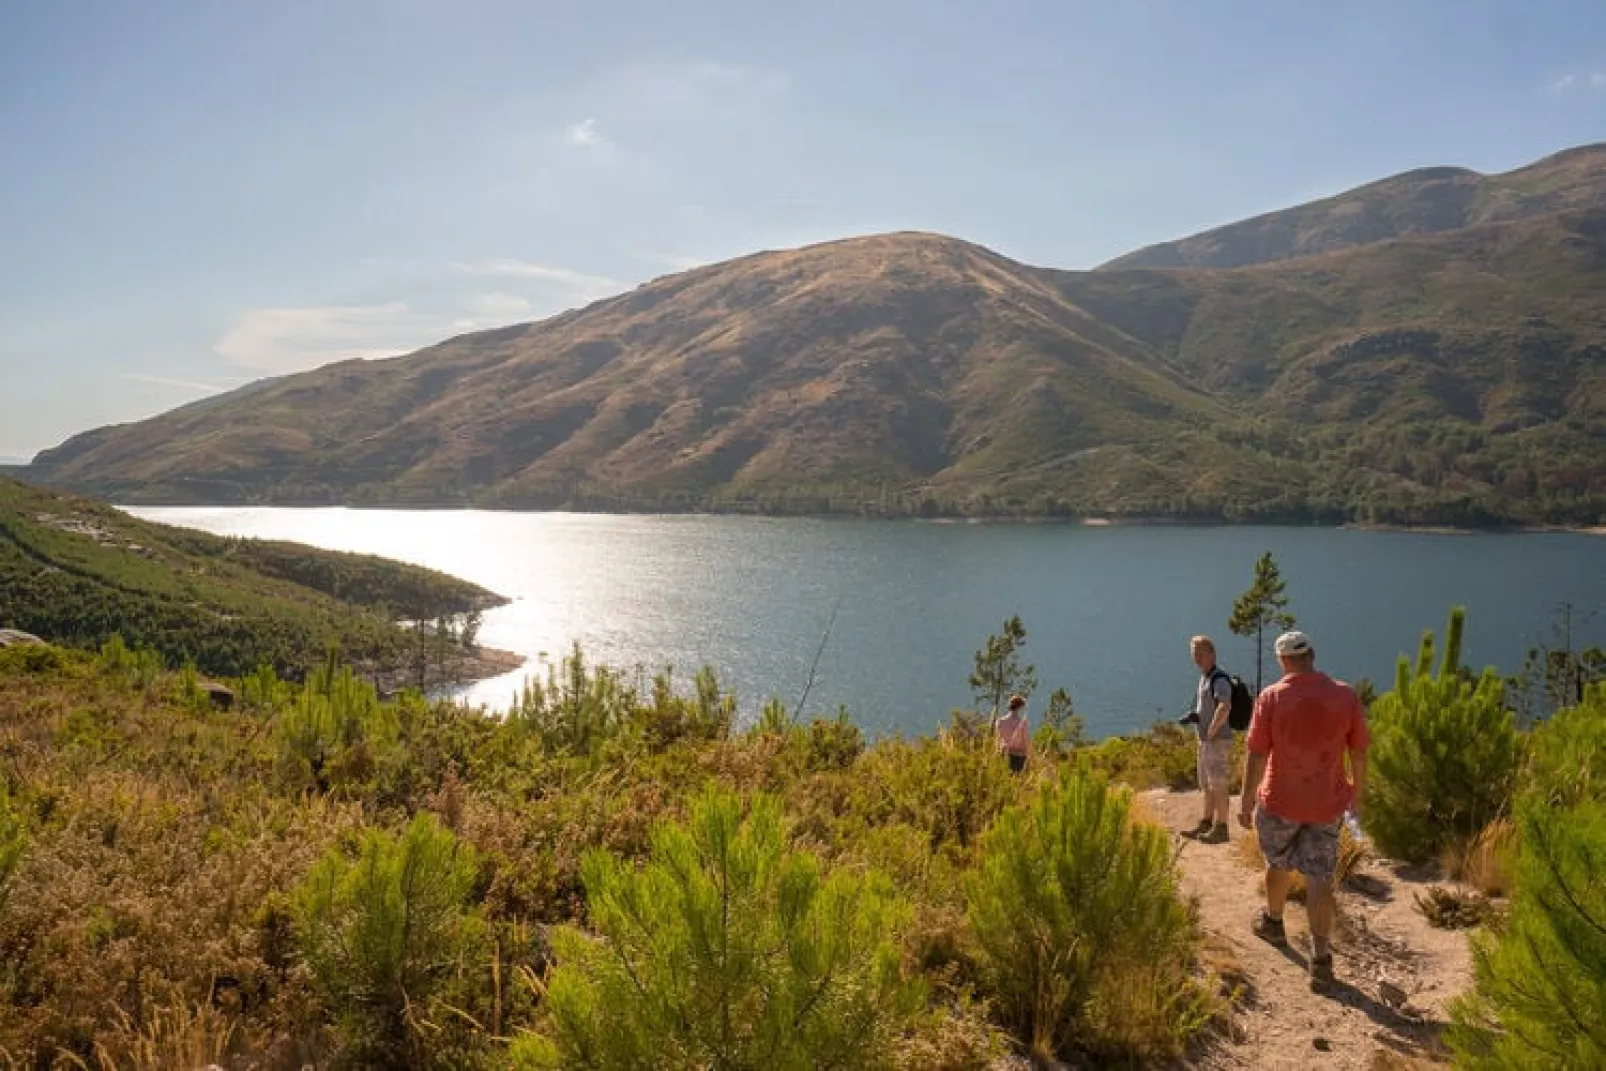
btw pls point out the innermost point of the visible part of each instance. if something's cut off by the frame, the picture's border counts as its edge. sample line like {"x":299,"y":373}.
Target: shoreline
{"x":941,"y":519}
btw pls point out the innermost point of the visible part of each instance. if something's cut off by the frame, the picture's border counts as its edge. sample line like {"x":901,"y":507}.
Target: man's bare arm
{"x":1357,"y":773}
{"x":1254,"y":770}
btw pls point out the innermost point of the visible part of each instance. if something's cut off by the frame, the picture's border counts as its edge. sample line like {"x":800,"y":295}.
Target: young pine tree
{"x":383,"y":932}
{"x":1540,"y":997}
{"x":1084,"y":936}
{"x":725,"y":951}
{"x":1263,"y":605}
{"x":1445,"y":753}
{"x":998,"y":670}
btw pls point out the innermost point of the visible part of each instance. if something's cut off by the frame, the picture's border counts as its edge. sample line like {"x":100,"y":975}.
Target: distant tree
{"x":999,"y":671}
{"x":1262,"y":606}
{"x":1061,"y":728}
{"x":1555,"y":675}
{"x":469,"y":631}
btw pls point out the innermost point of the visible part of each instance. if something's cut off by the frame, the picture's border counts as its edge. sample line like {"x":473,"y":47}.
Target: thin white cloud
{"x":523,"y":269}
{"x":191,"y":385}
{"x":1576,"y":80}
{"x":673,"y":260}
{"x":293,"y":340}
{"x":281,"y":340}
{"x":585,"y":134}
{"x":497,"y":303}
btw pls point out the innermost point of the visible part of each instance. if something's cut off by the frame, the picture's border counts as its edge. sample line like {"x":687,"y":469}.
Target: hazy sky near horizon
{"x":197,"y":194}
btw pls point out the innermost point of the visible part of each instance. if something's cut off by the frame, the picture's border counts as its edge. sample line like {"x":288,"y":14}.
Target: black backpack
{"x":1241,"y":711}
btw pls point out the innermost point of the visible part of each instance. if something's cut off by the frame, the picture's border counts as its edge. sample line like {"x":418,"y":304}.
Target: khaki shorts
{"x":1215,"y":757}
{"x":1308,"y":847}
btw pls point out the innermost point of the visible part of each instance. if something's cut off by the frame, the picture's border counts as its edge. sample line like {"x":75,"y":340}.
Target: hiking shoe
{"x":1217,"y":835}
{"x":1321,"y":973}
{"x":1271,"y":931}
{"x":1199,"y":830}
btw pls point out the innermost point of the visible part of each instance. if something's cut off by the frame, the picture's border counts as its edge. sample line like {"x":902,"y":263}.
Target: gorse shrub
{"x":383,"y":932}
{"x":726,"y":951}
{"x":1540,"y":999}
{"x":1445,"y":753}
{"x":1086,"y":941}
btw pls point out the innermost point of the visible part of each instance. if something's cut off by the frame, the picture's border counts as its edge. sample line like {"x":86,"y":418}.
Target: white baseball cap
{"x":1293,"y":643}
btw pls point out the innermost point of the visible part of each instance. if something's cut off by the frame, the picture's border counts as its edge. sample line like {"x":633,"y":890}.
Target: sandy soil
{"x":1395,"y":972}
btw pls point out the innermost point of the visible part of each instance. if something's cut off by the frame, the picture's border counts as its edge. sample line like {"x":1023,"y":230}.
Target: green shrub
{"x":1567,"y":754}
{"x":1540,"y":998}
{"x":834,"y":743}
{"x":383,"y":932}
{"x":1085,"y":939}
{"x":669,"y":718}
{"x":726,"y":951}
{"x":1541,"y":983}
{"x":577,"y":708}
{"x":13,"y":838}
{"x":1445,"y":753}
{"x":333,"y":731}
{"x":952,"y":789}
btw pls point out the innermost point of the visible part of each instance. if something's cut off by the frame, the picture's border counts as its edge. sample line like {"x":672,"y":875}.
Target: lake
{"x":1108,"y":610}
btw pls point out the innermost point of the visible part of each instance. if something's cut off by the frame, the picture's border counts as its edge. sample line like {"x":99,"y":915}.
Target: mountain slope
{"x":1422,"y":202}
{"x":1457,"y":377}
{"x":903,"y":358}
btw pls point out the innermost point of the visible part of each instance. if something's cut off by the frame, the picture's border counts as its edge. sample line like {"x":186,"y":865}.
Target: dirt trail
{"x":1396,"y":973}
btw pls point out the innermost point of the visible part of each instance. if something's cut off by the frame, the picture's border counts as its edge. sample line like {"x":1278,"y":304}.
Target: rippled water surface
{"x":1108,"y":610}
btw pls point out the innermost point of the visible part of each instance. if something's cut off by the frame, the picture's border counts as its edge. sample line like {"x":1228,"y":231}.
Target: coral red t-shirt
{"x":1305,"y":722}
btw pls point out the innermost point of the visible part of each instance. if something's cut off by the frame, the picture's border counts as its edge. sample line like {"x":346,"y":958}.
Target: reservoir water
{"x":1108,"y":610}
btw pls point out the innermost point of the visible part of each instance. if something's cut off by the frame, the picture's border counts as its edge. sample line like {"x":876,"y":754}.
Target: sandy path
{"x":1395,"y":972}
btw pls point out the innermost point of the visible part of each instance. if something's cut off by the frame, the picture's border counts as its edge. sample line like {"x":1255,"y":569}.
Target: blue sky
{"x":195,"y":195}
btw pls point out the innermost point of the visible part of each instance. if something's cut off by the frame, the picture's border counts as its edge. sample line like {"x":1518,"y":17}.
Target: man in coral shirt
{"x":1304,"y":726}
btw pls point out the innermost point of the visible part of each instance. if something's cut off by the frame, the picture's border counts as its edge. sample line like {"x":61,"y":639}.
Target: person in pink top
{"x":1296,"y":790}
{"x":1013,"y":734}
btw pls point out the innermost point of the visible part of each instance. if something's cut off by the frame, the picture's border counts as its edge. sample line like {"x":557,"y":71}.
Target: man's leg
{"x":1320,"y":908}
{"x":1276,"y":891}
{"x":1201,"y":772}
{"x":1217,"y":758}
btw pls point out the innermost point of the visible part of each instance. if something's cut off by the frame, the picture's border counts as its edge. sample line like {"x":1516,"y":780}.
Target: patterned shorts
{"x":1215,"y":756}
{"x":1310,"y":848}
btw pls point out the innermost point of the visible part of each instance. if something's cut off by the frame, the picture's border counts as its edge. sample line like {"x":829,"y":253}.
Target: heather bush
{"x":1445,"y":753}
{"x":1085,"y":938}
{"x":726,"y":950}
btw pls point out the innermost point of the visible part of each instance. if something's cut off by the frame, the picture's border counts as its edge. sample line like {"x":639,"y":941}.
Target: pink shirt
{"x":1305,"y":722}
{"x":1012,"y":734}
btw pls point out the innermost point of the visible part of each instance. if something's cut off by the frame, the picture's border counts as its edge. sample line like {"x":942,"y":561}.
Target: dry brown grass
{"x":1483,"y":860}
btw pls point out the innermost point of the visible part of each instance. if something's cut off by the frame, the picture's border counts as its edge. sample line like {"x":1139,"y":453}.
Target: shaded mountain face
{"x":1427,"y":201}
{"x":1453,"y":377}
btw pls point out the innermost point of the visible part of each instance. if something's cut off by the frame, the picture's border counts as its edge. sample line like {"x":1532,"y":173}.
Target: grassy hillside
{"x":1426,"y":201}
{"x":319,"y":878}
{"x":77,"y":572}
{"x":1448,"y":378}
{"x":161,"y":905}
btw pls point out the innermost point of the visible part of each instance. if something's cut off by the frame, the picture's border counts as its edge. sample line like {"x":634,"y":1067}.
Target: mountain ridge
{"x":1453,"y":376}
{"x":1425,"y":200}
